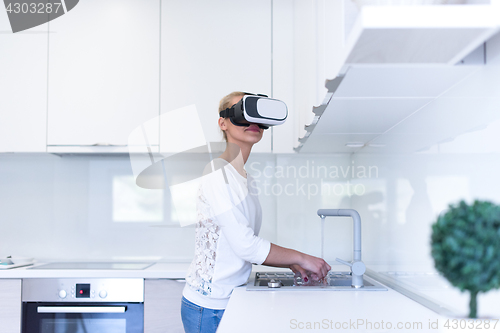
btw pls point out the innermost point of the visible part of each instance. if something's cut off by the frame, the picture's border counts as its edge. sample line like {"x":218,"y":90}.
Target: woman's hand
{"x":317,"y":266}
{"x":297,"y":269}
{"x":298,"y":262}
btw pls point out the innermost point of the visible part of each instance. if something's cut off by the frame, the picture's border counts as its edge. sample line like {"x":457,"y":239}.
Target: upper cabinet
{"x":23,"y":88}
{"x":419,"y":35}
{"x":209,"y":49}
{"x":104,"y":73}
{"x":398,"y":65}
{"x":307,"y":42}
{"x":109,"y":75}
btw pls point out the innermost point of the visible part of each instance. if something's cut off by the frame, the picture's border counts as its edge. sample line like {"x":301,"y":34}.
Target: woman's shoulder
{"x":218,"y":173}
{"x":214,"y":165}
{"x":215,"y":172}
{"x":222,"y":166}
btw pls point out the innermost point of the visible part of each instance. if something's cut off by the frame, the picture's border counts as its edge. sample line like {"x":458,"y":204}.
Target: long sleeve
{"x":229,"y":199}
{"x":229,"y":216}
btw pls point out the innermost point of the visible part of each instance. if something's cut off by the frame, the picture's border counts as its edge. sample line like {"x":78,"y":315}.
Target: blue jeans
{"x":197,"y":319}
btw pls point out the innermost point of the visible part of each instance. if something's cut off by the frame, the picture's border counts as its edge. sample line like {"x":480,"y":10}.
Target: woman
{"x":226,"y":241}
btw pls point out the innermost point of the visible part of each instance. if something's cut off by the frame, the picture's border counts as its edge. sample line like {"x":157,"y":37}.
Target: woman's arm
{"x":297,"y":261}
{"x":242,"y":239}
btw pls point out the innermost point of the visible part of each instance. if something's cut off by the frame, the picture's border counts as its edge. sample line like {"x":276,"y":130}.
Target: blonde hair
{"x":227,"y":102}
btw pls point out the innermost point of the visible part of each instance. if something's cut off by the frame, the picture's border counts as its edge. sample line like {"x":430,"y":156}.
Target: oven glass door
{"x":83,"y":318}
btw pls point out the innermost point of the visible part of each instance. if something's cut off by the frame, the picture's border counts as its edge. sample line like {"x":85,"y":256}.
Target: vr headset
{"x":257,"y":109}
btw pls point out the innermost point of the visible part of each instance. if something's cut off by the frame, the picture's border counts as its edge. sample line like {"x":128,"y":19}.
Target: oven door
{"x":44,"y":317}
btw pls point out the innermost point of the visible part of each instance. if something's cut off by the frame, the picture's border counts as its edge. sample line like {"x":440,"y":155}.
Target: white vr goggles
{"x":257,"y":109}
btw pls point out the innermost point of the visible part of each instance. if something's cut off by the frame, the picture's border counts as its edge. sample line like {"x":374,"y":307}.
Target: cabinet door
{"x":10,"y":305}
{"x":284,"y":136}
{"x":308,"y":48}
{"x":23,"y":88}
{"x":209,"y":49}
{"x":104,"y":72}
{"x":162,"y":306}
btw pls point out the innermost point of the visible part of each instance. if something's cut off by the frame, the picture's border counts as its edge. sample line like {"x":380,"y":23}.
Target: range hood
{"x":368,"y":102}
{"x":409,"y":35}
{"x":398,"y":86}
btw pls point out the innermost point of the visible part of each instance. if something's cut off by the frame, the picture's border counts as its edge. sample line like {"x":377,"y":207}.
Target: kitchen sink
{"x":340,"y":281}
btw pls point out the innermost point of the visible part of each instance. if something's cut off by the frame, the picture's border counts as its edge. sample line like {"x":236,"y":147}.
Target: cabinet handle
{"x":106,"y":144}
{"x":102,"y":144}
{"x":81,"y":309}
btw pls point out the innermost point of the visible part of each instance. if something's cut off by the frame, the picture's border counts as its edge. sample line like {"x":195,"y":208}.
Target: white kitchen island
{"x":335,"y":310}
{"x":292,"y":311}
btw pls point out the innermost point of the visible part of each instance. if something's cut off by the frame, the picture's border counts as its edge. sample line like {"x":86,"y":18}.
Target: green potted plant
{"x":466,"y":248}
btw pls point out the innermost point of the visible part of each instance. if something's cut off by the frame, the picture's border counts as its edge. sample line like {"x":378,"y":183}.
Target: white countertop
{"x":328,"y":310}
{"x":160,"y":270}
{"x":157,"y":271}
{"x":282,"y":311}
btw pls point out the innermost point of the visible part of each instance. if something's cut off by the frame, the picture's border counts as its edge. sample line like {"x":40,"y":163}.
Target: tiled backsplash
{"x":76,"y":207}
{"x":89,"y":208}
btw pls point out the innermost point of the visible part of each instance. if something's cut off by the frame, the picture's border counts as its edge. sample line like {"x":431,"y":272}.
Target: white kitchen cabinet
{"x":209,"y":49}
{"x":162,"y":306}
{"x":307,"y":50}
{"x":104,"y":70}
{"x":23,"y":88}
{"x":10,"y":305}
{"x":283,"y":74}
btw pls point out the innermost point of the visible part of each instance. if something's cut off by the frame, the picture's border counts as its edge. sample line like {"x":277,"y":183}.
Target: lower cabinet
{"x":10,"y":305}
{"x":162,"y":306}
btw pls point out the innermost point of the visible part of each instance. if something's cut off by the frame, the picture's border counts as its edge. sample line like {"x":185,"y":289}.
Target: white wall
{"x":73,"y":207}
{"x":65,"y":208}
{"x":61,"y":208}
{"x":88,"y":207}
{"x":412,"y":189}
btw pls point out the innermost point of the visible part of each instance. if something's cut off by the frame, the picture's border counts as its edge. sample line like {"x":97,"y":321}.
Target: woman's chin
{"x":252,"y":137}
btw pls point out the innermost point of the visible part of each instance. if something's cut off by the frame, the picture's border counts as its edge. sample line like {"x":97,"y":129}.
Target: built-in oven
{"x":83,"y":305}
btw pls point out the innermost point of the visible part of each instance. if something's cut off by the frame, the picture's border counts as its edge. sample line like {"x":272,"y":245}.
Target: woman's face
{"x":248,"y":134}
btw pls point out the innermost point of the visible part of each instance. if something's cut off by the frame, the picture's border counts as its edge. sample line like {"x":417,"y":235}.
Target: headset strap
{"x":229,"y":112}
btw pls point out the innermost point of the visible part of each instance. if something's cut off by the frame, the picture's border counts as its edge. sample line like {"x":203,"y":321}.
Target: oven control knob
{"x":62,"y":293}
{"x":103,"y":294}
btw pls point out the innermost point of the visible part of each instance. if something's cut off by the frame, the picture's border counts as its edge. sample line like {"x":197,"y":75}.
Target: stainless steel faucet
{"x":358,"y":268}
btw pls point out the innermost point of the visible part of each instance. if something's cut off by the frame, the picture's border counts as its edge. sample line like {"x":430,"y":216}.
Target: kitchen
{"x":396,"y":133}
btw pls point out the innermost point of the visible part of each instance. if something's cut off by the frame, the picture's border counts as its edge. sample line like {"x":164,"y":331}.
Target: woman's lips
{"x":253,"y":128}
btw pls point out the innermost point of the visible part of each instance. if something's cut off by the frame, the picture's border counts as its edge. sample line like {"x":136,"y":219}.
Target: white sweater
{"x":226,"y":242}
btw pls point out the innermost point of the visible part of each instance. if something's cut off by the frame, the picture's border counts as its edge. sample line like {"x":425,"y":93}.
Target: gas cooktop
{"x":95,"y":265}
